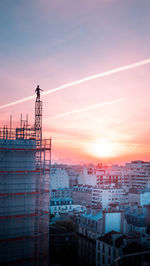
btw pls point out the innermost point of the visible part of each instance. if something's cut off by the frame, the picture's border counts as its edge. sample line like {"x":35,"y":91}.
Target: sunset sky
{"x":56,"y":42}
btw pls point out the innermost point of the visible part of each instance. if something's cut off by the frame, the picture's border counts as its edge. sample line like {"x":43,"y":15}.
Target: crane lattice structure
{"x":38,"y":117}
{"x":38,"y":124}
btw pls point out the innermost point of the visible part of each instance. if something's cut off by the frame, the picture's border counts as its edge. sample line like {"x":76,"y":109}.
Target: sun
{"x":103,"y":149}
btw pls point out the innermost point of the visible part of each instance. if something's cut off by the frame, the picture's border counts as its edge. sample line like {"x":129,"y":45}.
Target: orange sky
{"x":59,"y":42}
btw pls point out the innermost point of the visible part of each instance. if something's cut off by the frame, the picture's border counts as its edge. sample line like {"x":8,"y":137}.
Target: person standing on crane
{"x":38,"y":92}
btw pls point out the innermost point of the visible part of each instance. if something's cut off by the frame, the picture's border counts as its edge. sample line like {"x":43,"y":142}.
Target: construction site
{"x":25,"y":159}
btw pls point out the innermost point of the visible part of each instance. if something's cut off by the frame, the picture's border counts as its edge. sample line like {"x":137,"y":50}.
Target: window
{"x":109,"y":251}
{"x":103,"y":259}
{"x":103,"y":248}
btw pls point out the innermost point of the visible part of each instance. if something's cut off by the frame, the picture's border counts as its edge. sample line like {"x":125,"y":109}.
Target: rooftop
{"x":135,"y":212}
{"x":95,"y":217}
{"x":108,"y":238}
{"x":61,"y":199}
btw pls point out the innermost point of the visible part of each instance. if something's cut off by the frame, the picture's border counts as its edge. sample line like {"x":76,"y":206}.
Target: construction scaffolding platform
{"x":25,"y":160}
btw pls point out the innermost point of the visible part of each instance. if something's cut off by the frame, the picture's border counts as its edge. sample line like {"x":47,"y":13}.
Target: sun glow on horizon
{"x":102,"y":148}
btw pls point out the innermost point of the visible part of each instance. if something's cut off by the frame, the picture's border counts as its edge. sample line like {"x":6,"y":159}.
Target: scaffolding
{"x":25,"y":160}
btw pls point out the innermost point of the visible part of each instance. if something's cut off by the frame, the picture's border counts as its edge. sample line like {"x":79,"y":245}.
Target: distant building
{"x":61,"y":193}
{"x":134,"y":174}
{"x":73,"y":172}
{"x":82,"y":195}
{"x":106,"y":195}
{"x":64,"y":205}
{"x":137,"y":174}
{"x":139,"y":196}
{"x":87,"y":177}
{"x":59,"y":178}
{"x":73,"y":177}
{"x":106,"y":175}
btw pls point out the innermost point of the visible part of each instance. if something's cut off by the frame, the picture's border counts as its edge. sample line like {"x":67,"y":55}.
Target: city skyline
{"x":52,"y":44}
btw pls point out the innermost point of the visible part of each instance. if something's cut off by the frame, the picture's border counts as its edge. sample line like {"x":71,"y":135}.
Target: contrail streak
{"x":99,"y":75}
{"x":94,"y":106}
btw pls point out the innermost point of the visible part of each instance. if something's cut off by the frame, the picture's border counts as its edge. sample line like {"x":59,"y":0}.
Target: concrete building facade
{"x":95,"y":223}
{"x":106,"y":195}
{"x":24,"y":199}
{"x":61,"y":193}
{"x":59,"y":178}
{"x":82,"y":195}
{"x":24,"y":192}
{"x":87,"y":177}
{"x":64,"y":205}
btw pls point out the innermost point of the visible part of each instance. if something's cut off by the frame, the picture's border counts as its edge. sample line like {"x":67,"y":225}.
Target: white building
{"x":106,"y":195}
{"x":64,"y":205}
{"x":58,"y":178}
{"x":87,"y":177}
{"x":61,"y":193}
{"x":137,"y":174}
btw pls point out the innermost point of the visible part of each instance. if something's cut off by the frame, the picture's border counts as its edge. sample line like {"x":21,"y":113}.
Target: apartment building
{"x":107,"y":195}
{"x":87,"y":176}
{"x":82,"y":195}
{"x":59,"y":178}
{"x":95,"y":222}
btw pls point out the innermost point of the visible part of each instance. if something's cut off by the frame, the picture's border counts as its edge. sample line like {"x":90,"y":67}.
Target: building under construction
{"x":24,"y":192}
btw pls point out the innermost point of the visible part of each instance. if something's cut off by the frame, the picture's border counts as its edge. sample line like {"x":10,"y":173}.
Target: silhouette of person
{"x":38,"y":92}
